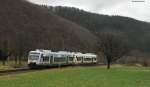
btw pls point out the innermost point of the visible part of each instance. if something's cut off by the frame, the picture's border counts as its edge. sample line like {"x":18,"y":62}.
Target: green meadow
{"x":117,"y":76}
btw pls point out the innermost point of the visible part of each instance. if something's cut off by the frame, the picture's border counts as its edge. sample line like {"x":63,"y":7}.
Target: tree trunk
{"x":108,"y":63}
{"x":4,"y":62}
{"x":19,"y":59}
{"x":16,"y":60}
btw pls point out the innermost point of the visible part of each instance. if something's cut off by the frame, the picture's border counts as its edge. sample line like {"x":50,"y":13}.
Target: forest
{"x":136,"y":32}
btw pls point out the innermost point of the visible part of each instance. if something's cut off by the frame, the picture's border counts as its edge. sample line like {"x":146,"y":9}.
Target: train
{"x":49,"y":58}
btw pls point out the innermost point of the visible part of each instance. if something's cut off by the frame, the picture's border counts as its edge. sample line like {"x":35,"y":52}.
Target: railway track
{"x":18,"y":71}
{"x":27,"y":69}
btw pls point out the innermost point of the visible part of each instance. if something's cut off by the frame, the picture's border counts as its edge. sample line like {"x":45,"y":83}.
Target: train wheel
{"x":32,"y":65}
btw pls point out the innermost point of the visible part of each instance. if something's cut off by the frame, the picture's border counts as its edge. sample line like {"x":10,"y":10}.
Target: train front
{"x":34,"y":58}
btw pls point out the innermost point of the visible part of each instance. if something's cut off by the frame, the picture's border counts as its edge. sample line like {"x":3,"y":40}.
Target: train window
{"x":70,"y":58}
{"x":60,"y":59}
{"x":33,"y":53}
{"x":79,"y":58}
{"x":87,"y":59}
{"x":33,"y":57}
{"x":45,"y":58}
{"x":95,"y":59}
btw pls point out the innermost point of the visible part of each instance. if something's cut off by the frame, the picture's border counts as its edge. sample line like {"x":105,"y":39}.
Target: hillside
{"x":137,"y":33}
{"x":25,"y":26}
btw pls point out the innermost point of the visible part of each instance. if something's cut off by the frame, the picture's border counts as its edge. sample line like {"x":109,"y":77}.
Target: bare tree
{"x":112,"y":46}
{"x":4,"y":53}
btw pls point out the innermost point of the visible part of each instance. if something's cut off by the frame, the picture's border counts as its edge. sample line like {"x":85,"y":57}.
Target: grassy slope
{"x":81,"y":77}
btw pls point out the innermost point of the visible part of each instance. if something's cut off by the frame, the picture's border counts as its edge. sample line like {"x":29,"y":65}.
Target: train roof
{"x":64,"y":53}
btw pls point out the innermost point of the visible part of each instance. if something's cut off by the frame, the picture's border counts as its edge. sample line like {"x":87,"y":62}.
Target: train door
{"x":51,"y":59}
{"x":45,"y":59}
{"x":75,"y":60}
{"x":67,"y":59}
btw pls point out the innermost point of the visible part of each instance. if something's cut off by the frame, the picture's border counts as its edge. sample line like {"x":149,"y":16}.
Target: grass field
{"x":120,"y":76}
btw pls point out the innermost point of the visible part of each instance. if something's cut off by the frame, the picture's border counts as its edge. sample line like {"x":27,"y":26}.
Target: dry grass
{"x":11,"y":65}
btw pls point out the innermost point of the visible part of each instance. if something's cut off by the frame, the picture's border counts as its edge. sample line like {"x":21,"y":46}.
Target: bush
{"x":146,"y":63}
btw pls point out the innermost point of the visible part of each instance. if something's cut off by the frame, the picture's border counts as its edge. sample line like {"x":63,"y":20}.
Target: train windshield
{"x":34,"y":56}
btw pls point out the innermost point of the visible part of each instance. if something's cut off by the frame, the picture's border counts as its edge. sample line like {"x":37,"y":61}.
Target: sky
{"x":129,"y":8}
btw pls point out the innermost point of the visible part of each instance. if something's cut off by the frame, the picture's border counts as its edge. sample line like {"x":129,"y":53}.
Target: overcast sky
{"x":137,"y":10}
